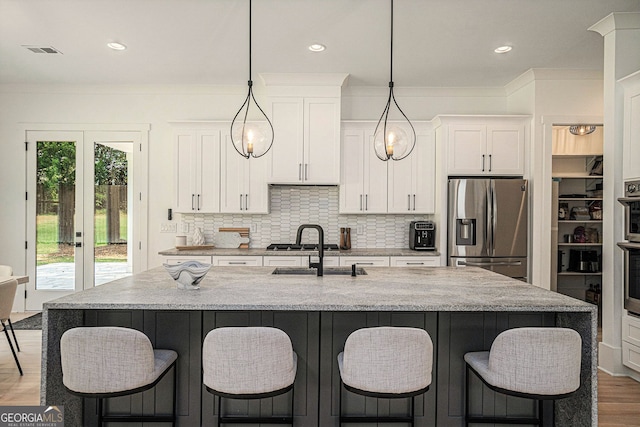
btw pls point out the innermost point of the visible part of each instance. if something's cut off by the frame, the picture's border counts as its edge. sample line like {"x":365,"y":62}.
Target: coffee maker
{"x":422,"y":236}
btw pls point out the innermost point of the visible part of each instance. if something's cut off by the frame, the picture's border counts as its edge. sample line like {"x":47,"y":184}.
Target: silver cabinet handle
{"x":241,"y":202}
{"x":361,"y":202}
{"x":483,"y":163}
{"x":299,"y":171}
{"x":489,"y":264}
{"x":415,"y":263}
{"x":408,"y":202}
{"x":364,"y":263}
{"x":306,"y":169}
{"x":366,"y":202}
{"x":193,"y":201}
{"x":237,"y":262}
{"x":489,"y":162}
{"x":414,"y":202}
{"x":246,"y":202}
{"x":198,"y":202}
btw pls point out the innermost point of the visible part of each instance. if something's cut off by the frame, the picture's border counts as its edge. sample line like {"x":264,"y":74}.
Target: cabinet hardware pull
{"x":246,"y":202}
{"x":489,"y":162}
{"x":306,"y":169}
{"x":193,"y":202}
{"x":361,"y":202}
{"x":408,"y":202}
{"x":414,"y":202}
{"x":299,"y":171}
{"x":237,"y":262}
{"x":364,"y":263}
{"x":366,"y":202}
{"x":483,"y":163}
{"x":241,"y":202}
{"x":415,"y":263}
{"x":198,"y":202}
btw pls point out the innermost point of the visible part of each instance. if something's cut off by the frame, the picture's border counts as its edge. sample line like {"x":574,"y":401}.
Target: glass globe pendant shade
{"x":392,"y":142}
{"x":581,"y":130}
{"x":251,"y":138}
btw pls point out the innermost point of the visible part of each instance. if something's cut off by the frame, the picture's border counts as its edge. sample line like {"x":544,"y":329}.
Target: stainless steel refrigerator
{"x":488,"y":224}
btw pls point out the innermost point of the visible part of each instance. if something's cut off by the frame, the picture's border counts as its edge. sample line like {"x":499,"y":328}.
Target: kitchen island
{"x":463,"y":309}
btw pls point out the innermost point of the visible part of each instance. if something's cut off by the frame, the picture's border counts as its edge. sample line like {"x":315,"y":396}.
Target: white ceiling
{"x":437,"y":43}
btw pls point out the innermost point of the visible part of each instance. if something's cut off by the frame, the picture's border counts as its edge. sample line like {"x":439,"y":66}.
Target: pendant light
{"x":582,"y":129}
{"x":391,"y":140}
{"x":251,"y":138}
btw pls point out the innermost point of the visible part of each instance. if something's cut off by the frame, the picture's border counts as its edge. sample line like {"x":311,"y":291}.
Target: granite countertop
{"x":382,"y":289}
{"x":264,"y":252}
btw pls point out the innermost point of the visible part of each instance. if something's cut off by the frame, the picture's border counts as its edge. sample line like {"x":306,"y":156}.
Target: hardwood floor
{"x":618,"y":397}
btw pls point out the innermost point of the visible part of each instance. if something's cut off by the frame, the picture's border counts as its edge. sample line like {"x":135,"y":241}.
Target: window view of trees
{"x":55,"y":205}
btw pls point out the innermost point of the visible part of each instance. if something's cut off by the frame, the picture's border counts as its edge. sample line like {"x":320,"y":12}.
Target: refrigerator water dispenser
{"x":466,"y":232}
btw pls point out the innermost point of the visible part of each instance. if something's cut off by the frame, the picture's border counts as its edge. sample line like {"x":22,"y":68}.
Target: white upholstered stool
{"x":534,"y":363}
{"x":103,"y":362}
{"x":386,"y":362}
{"x":7,"y":295}
{"x":248,"y":363}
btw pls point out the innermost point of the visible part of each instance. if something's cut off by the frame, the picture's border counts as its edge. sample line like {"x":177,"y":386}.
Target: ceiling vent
{"x":42,"y":49}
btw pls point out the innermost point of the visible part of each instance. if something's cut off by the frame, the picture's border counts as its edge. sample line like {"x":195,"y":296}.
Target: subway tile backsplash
{"x":295,"y":205}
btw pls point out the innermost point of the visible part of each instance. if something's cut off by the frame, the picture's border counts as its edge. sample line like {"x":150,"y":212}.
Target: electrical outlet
{"x":168,"y":227}
{"x":253,"y":228}
{"x":185,"y":227}
{"x":360,"y":229}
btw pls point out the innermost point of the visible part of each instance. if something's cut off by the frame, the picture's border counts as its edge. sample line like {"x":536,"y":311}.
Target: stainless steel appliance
{"x":488,"y":222}
{"x":631,"y":203}
{"x":631,"y":276}
{"x":422,"y":236}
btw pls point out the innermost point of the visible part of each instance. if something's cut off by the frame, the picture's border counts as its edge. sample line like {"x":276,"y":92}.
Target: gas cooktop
{"x":302,"y":247}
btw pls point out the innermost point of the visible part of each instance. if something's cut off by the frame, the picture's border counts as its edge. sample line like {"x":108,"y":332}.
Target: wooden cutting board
{"x":244,"y":232}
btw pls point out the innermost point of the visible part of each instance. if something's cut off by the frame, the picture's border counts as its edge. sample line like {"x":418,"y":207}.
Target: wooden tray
{"x":243,"y":231}
{"x":192,"y":248}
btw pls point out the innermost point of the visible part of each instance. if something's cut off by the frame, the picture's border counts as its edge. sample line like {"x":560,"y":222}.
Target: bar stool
{"x":248,"y":363}
{"x":103,"y":362}
{"x":386,"y":362}
{"x":534,"y":363}
{"x":7,"y":295}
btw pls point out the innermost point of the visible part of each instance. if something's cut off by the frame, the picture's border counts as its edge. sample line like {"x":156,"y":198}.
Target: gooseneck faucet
{"x":318,"y":264}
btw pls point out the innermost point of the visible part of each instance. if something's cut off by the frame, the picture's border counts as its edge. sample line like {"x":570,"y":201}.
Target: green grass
{"x":49,"y":251}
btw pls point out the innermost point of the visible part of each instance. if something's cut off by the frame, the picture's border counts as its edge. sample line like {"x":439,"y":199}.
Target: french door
{"x":83,"y":220}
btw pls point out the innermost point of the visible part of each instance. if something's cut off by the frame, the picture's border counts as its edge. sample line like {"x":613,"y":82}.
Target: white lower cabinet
{"x":179,"y":259}
{"x":371,"y":261}
{"x":415,"y":261}
{"x":631,"y":342}
{"x":240,"y":260}
{"x":284,"y":261}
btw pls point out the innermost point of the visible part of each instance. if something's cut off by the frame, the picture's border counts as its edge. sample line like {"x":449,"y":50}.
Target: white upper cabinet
{"x":363,"y":184}
{"x":197,"y":173}
{"x":484,"y":145}
{"x":411,"y":181}
{"x":243,"y":185}
{"x":631,"y":135}
{"x":305,"y":112}
{"x":306,"y":146}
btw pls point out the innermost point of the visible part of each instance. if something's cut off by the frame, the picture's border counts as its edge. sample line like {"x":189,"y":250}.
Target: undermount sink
{"x":328,"y":271}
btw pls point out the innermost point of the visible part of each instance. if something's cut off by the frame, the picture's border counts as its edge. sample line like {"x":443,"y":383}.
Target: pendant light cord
{"x":391,"y":62}
{"x":250,"y":42}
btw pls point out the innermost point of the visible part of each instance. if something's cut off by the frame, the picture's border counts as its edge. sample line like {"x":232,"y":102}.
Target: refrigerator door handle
{"x":489,"y":264}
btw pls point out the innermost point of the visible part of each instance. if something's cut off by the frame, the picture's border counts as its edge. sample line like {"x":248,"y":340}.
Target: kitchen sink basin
{"x":327,"y":271}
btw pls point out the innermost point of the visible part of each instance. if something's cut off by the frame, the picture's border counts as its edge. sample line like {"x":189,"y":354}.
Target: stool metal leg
{"x":15,"y":356}
{"x":14,"y":335}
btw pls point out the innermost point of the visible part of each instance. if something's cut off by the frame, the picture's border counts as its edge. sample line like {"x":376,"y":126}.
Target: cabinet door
{"x":415,"y":261}
{"x":233,"y":174}
{"x":179,"y":259}
{"x":208,"y":175}
{"x":185,"y":171}
{"x":401,"y":191}
{"x":286,"y":154}
{"x":256,"y":196}
{"x":283,"y":261}
{"x":351,"y":182}
{"x":375,"y":178}
{"x":424,"y":177}
{"x":240,"y":260}
{"x":365,"y":261}
{"x":321,"y":141}
{"x":505,"y":149}
{"x":467,"y":149}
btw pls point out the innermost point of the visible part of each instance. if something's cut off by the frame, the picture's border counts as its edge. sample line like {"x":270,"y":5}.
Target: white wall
{"x":158,"y":105}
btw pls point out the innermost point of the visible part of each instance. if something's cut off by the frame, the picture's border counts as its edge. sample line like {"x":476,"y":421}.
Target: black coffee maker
{"x":583,"y":261}
{"x":422,"y":236}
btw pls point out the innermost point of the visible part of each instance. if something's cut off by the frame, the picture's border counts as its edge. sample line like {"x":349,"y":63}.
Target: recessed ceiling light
{"x":503,"y":49}
{"x":116,"y":46}
{"x":317,"y":47}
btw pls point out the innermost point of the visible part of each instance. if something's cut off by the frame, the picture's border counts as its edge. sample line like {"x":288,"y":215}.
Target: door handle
{"x":241,"y":202}
{"x":361,"y":202}
{"x":246,"y":202}
{"x":489,"y":162}
{"x":366,"y":202}
{"x":299,"y":171}
{"x":193,"y":201}
{"x":415,"y":263}
{"x":306,"y":170}
{"x":408,"y":202}
{"x":483,"y":163}
{"x":489,"y":264}
{"x":364,"y":263}
{"x":198,"y":202}
{"x":237,"y":262}
{"x":414,"y":202}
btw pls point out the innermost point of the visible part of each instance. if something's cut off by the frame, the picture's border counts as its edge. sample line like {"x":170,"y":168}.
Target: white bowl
{"x":188,"y":274}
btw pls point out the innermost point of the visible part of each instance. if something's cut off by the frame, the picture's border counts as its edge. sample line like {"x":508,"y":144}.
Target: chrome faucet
{"x":318,"y":264}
